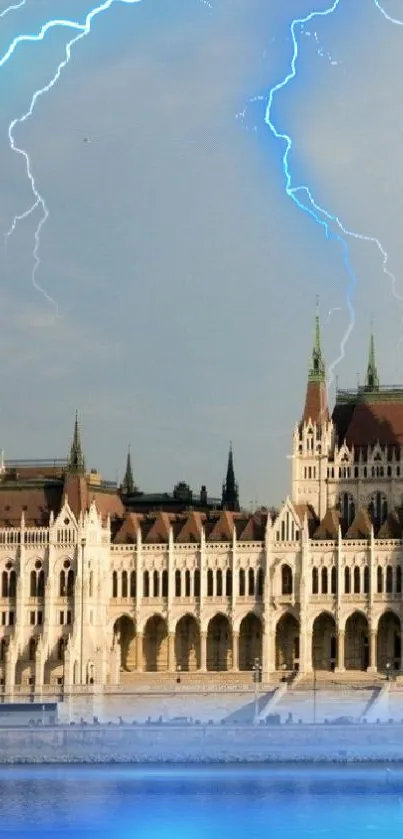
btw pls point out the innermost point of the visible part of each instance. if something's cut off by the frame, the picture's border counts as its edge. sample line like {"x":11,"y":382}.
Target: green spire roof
{"x":372,"y":379}
{"x":76,"y":460}
{"x":317,"y":371}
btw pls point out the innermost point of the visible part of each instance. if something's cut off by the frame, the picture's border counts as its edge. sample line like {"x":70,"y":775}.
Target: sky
{"x":183,"y":276}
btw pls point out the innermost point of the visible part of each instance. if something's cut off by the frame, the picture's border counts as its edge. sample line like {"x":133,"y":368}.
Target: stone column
{"x":203,"y":651}
{"x":235,"y":651}
{"x":305,"y":651}
{"x":268,"y":653}
{"x":171,"y":653}
{"x":340,"y":651}
{"x":372,"y":668}
{"x":139,"y":652}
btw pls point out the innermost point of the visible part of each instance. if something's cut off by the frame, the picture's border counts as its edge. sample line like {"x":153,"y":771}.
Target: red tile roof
{"x":316,"y":407}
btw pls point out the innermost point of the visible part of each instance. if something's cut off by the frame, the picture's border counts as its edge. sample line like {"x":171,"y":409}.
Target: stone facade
{"x":93,"y":593}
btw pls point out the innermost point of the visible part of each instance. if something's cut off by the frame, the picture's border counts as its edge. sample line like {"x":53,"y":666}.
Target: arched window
{"x":4,"y":584}
{"x":315,"y":581}
{"x":164,"y":591}
{"x":347,"y":581}
{"x":70,"y":583}
{"x":187,"y":583}
{"x":146,"y":584}
{"x":366,"y":580}
{"x":41,"y":584}
{"x":32,"y":649}
{"x":378,"y":508}
{"x":260,"y":582}
{"x":178,"y":586}
{"x":389,"y":579}
{"x":196,"y":583}
{"x":347,"y":509}
{"x":114,"y":583}
{"x":398,"y":580}
{"x":13,"y":584}
{"x":333,"y":581}
{"x":133,"y":584}
{"x":219,"y":582}
{"x":228,"y":583}
{"x":379,"y":580}
{"x":60,"y":649}
{"x":124,"y":584}
{"x":357,"y":581}
{"x":156,"y":583}
{"x":251,"y":582}
{"x":286,"y":580}
{"x":3,"y":649}
{"x":62,"y":584}
{"x":91,"y":584}
{"x":324,"y":580}
{"x":242,"y":583}
{"x":32,"y":585}
{"x":210,"y":583}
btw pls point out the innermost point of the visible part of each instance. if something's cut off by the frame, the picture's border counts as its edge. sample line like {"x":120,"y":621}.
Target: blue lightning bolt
{"x":12,"y":8}
{"x":302,"y":195}
{"x":83,"y":29}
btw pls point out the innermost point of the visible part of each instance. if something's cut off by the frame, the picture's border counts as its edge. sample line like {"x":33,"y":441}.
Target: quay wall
{"x":197,"y":744}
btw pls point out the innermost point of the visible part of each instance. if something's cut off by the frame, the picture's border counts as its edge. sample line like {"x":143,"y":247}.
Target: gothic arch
{"x":356,"y":654}
{"x":219,"y":643}
{"x":250,"y":641}
{"x":324,"y":642}
{"x":287,"y":642}
{"x":187,"y":642}
{"x":156,"y":644}
{"x":125,"y":635}
{"x":388,"y":641}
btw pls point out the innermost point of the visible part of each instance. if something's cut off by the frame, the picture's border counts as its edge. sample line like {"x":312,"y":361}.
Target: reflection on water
{"x":203,"y":802}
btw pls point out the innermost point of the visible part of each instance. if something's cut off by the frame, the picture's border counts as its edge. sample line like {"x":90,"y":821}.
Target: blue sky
{"x":184,"y":276}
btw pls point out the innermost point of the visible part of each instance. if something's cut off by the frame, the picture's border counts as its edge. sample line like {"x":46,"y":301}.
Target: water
{"x":202,"y":803}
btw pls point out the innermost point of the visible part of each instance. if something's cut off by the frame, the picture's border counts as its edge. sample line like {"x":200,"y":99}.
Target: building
{"x":94,"y":592}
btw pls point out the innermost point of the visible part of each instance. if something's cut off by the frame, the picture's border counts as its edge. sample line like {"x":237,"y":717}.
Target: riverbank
{"x":170,"y":744}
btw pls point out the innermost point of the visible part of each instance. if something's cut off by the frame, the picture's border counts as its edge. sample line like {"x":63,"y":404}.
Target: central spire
{"x":230,"y":493}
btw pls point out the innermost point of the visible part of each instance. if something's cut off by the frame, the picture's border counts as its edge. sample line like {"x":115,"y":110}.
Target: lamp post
{"x":387,"y":670}
{"x":314,"y":696}
{"x":82,"y":612}
{"x":178,"y":674}
{"x":256,"y":669}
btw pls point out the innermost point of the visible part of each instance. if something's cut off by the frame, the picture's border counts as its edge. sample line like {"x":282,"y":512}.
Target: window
{"x":209,"y":583}
{"x":398,"y":580}
{"x":366,"y":580}
{"x":61,"y":618}
{"x":32,"y":587}
{"x":379,"y":581}
{"x":219,"y":583}
{"x":347,"y":581}
{"x":324,"y":581}
{"x":357,"y":581}
{"x":91,"y":584}
{"x":347,"y":509}
{"x":260,"y":582}
{"x":32,"y":618}
{"x":70,"y":583}
{"x":197,"y":583}
{"x":242,"y":583}
{"x":40,"y":618}
{"x":286,"y":580}
{"x":156,"y":584}
{"x":41,"y":584}
{"x":228,"y":583}
{"x":114,"y":584}
{"x":133,"y":583}
{"x":11,"y":618}
{"x":251,"y":583}
{"x":68,"y":620}
{"x":333,"y":581}
{"x":389,"y":580}
{"x":378,"y":508}
{"x":146,"y":584}
{"x":164,"y":583}
{"x":178,"y":586}
{"x":315,"y":581}
{"x":124,"y":584}
{"x":62,"y":584}
{"x":187,"y":583}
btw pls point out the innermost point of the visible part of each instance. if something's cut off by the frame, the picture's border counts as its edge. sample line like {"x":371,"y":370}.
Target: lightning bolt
{"x":302,"y":195}
{"x":83,"y":30}
{"x":12,"y":8}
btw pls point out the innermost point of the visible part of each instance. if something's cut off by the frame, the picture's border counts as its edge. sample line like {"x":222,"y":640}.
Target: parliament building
{"x":100,"y":583}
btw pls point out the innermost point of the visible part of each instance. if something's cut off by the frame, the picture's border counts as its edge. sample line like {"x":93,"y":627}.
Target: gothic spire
{"x":316,"y":405}
{"x":372,"y":379}
{"x":317,"y":371}
{"x":128,"y":485}
{"x":230,"y":493}
{"x":76,"y":460}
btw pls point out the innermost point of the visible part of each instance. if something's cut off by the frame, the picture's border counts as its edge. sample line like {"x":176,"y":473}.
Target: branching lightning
{"x":83,"y":30}
{"x":13,"y":8}
{"x":302,"y":195}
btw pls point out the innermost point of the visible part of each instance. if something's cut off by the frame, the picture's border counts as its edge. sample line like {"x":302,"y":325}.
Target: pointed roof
{"x":230,"y":496}
{"x":127,"y":533}
{"x":316,"y":406}
{"x":159,"y":530}
{"x":222,"y":529}
{"x":329,"y":526}
{"x":128,"y":485}
{"x":361,"y":526}
{"x":372,"y":378}
{"x":76,"y":461}
{"x":190,"y":529}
